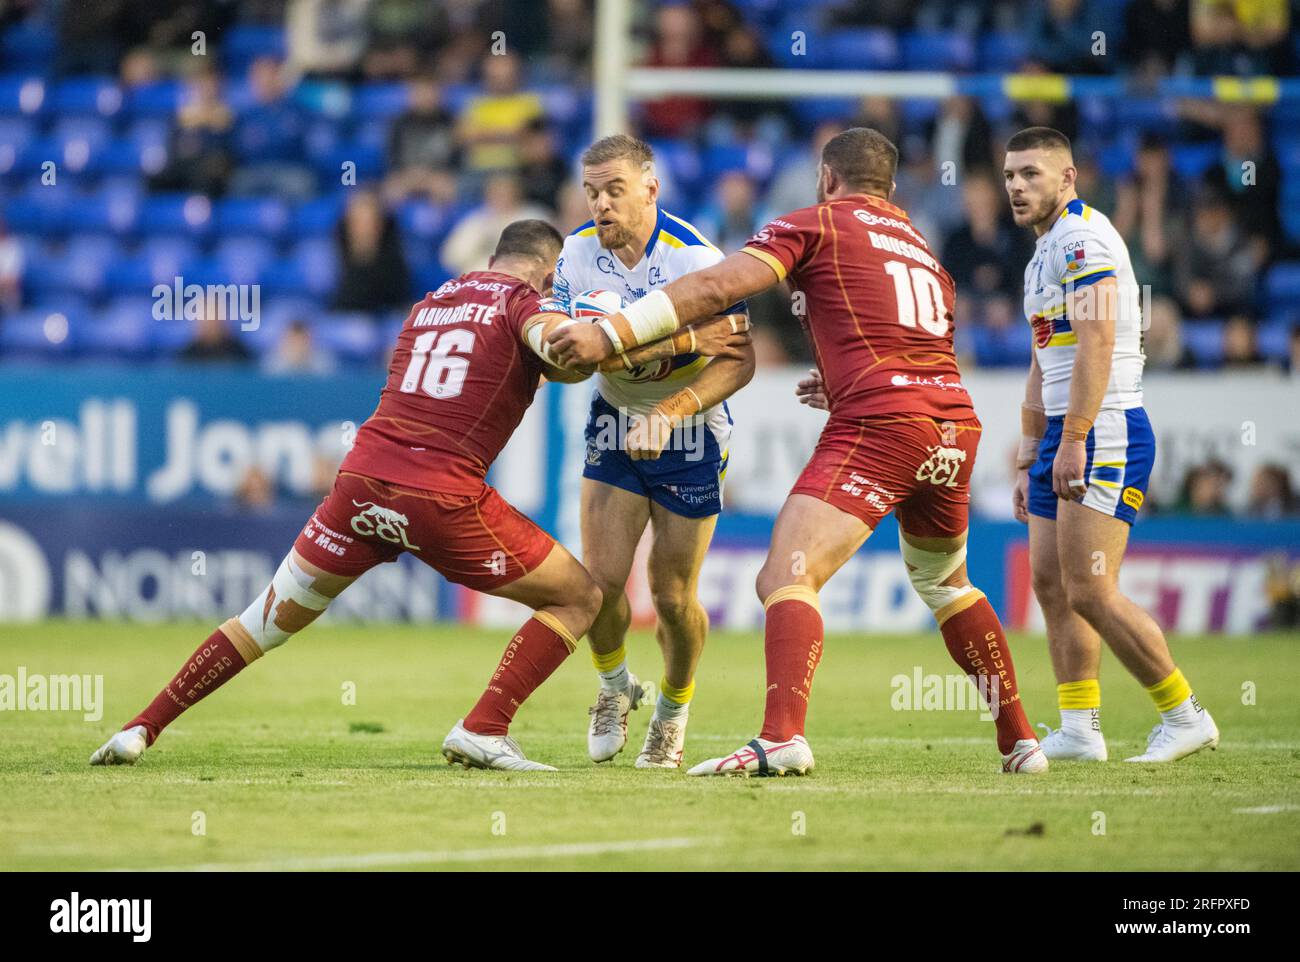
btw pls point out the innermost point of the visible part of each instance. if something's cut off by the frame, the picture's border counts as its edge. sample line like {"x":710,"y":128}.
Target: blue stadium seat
{"x":1191,"y":161}
{"x":244,"y":260}
{"x":89,"y":257}
{"x":1204,"y":339}
{"x":1282,"y":286}
{"x":316,"y":261}
{"x":36,"y":333}
{"x":350,"y":336}
{"x":1003,"y":51}
{"x":317,"y":216}
{"x":169,"y":336}
{"x":781,"y":46}
{"x":87,"y":96}
{"x":938,"y":50}
{"x":1009,"y":346}
{"x":177,"y":214}
{"x":16,"y":132}
{"x":122,"y":330}
{"x":22,"y":94}
{"x":869,"y":48}
{"x":29,"y":46}
{"x":381,"y":100}
{"x":266,"y":217}
{"x":40,"y":210}
{"x":159,"y":99}
{"x":240,"y":45}
{"x":160,"y":260}
{"x":1273,"y":339}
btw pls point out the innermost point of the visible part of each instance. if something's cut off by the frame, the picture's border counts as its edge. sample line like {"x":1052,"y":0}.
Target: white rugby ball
{"x":591,"y":305}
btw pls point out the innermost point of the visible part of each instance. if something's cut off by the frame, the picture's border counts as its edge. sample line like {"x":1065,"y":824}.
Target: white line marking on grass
{"x":1266,"y":810}
{"x":393,"y":859}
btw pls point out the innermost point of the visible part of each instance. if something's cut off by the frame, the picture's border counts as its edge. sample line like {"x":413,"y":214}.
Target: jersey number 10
{"x":434,"y":368}
{"x":920,"y":298}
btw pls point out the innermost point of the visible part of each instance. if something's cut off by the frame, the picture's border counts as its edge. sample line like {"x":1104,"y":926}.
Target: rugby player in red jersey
{"x":901,"y":437}
{"x":467,"y":364}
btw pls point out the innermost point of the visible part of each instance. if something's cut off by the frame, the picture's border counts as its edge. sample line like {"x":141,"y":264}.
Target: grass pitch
{"x":274,"y":771}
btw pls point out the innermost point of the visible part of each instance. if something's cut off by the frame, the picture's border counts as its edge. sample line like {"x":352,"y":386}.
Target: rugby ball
{"x":592,"y":305}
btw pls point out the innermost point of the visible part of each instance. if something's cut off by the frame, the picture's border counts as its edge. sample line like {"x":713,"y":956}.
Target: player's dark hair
{"x":619,"y":147}
{"x":529,"y":238}
{"x":865,"y":159}
{"x":1031,"y":138}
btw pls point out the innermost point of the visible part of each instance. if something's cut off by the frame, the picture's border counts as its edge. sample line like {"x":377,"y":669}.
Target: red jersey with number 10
{"x":876,"y":304}
{"x":459,"y":383}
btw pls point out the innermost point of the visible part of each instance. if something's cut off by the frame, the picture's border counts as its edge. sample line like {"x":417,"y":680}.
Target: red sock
{"x":213,"y":663}
{"x":536,"y":650}
{"x":977,"y":643}
{"x":792,"y":640}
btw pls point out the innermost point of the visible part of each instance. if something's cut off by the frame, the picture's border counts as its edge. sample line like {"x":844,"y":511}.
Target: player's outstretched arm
{"x":720,"y":379}
{"x":534,"y":334}
{"x":693,"y":297}
{"x":1091,"y":311}
{"x":725,"y":334}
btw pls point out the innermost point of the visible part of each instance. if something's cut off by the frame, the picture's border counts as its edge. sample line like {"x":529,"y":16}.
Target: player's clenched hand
{"x":1071,"y":459}
{"x":812,"y":391}
{"x":647,"y":436}
{"x":726,"y":334}
{"x":1020,"y":497}
{"x":578,"y":344}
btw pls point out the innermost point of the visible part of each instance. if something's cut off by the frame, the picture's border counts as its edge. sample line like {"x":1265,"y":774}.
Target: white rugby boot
{"x":762,"y":757}
{"x":607,"y":731}
{"x":664,"y":741}
{"x":487,"y":751}
{"x":1073,"y":746}
{"x":124,"y":748}
{"x":1174,"y":739}
{"x":1026,"y":758}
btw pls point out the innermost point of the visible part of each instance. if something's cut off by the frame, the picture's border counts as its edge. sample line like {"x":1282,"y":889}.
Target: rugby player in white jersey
{"x":657,"y":442}
{"x":1085,"y":457}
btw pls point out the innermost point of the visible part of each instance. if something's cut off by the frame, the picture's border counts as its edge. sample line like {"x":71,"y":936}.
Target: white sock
{"x":1186,"y":712}
{"x":1084,"y":722}
{"x":667,"y":710}
{"x":616,"y":679}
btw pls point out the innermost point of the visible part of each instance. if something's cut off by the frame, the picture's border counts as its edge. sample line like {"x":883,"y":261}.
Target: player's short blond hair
{"x":620,"y":147}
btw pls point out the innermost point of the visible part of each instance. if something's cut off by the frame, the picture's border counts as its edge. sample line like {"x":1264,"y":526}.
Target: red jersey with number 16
{"x":876,"y":304}
{"x":459,"y":383}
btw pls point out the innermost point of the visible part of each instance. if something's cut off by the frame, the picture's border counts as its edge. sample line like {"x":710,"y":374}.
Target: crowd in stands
{"x":348,"y":155}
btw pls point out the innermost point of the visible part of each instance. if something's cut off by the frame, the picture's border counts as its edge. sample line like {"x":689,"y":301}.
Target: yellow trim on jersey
{"x":670,"y":240}
{"x":688,"y":370}
{"x":767,"y":259}
{"x":690,"y":227}
{"x":1053,"y":311}
{"x":1109,"y":464}
{"x":1072,"y":278}
{"x":1104,"y":484}
{"x":1064,"y":339}
{"x":589,"y":232}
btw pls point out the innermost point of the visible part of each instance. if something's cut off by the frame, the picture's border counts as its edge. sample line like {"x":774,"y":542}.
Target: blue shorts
{"x":1121,"y":449}
{"x":686,"y":479}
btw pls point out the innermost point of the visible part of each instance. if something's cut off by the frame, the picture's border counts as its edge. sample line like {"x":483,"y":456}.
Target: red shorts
{"x":479,"y":540}
{"x":915,"y":465}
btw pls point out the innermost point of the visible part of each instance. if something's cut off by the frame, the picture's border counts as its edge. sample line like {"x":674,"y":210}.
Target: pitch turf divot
{"x":392,"y":859}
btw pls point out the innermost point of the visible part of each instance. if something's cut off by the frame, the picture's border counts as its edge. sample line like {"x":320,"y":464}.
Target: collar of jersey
{"x":654,"y":237}
{"x":878,"y":202}
{"x":1075,"y":206}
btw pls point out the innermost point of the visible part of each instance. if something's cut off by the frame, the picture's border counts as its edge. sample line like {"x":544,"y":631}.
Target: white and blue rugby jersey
{"x":1081,"y":248}
{"x":676,"y":248}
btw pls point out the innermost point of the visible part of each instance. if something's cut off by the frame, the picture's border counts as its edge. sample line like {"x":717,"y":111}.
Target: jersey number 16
{"x":434,"y":368}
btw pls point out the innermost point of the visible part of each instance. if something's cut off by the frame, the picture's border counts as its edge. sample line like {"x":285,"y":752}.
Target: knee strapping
{"x":929,"y":569}
{"x":290,"y":583}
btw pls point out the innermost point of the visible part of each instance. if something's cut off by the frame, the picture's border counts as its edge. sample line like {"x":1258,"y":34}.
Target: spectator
{"x":1157,"y":34}
{"x":399,"y":32}
{"x":571,"y":207}
{"x":1249,"y":176}
{"x":678,"y":43}
{"x":1060,"y":36}
{"x":256,"y":491}
{"x":326,"y":38}
{"x":1162,"y":341}
{"x":269,"y":139}
{"x":1214,"y":271}
{"x":959,"y":133}
{"x":795,"y":186}
{"x":373,"y":275}
{"x":422,"y":148}
{"x":730,"y":219}
{"x":298,"y":353}
{"x":985,"y":255}
{"x":1271,"y":494}
{"x":214,"y":342}
{"x":542,"y":170}
{"x":1239,"y":344}
{"x":491,"y":123}
{"x":1231,"y":37}
{"x":199,"y":156}
{"x":11,"y":271}
{"x":1144,"y":215}
{"x":1205,"y":489}
{"x":472,"y":241}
